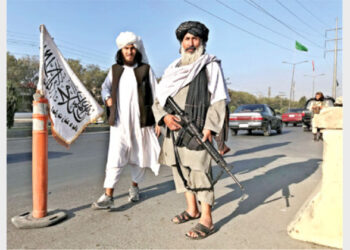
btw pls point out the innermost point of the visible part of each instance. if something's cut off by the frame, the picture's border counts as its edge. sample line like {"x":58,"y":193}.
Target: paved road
{"x":279,"y":173}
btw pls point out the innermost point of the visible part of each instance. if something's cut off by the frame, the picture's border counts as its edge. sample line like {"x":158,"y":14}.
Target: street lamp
{"x":313,"y":82}
{"x":291,"y":85}
{"x":280,"y":95}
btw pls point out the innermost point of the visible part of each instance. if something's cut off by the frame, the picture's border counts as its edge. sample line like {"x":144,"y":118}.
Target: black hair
{"x":119,"y":59}
{"x":321,"y":94}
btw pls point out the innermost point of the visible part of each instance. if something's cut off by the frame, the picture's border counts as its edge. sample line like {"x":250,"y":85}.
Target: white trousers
{"x":113,"y":174}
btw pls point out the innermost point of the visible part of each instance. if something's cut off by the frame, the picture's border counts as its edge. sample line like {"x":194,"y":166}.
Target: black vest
{"x":144,"y":93}
{"x":196,"y":107}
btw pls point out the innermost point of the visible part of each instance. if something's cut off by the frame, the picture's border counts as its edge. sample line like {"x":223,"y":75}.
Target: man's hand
{"x":316,"y":109}
{"x":206,"y":135}
{"x":171,"y":121}
{"x":109,"y":102}
{"x":157,"y":130}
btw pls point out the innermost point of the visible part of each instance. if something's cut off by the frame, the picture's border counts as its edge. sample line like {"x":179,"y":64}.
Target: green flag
{"x":299,"y":46}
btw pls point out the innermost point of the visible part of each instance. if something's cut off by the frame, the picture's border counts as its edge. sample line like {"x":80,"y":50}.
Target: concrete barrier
{"x":320,"y":219}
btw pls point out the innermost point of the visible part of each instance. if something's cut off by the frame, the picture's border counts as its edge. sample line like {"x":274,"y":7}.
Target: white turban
{"x":127,"y":38}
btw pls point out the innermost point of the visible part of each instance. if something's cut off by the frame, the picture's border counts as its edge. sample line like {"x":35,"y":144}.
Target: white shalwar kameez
{"x":129,"y":144}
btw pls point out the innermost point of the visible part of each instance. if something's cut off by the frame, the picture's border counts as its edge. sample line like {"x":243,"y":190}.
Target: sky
{"x":251,"y":37}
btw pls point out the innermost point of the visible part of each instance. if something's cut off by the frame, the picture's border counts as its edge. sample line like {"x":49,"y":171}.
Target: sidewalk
{"x":24,"y":129}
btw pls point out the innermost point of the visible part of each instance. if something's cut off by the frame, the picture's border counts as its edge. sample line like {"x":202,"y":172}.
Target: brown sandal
{"x":201,"y":231}
{"x":184,"y":217}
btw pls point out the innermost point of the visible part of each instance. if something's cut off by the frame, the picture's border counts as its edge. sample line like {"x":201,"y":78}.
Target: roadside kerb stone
{"x":27,"y":131}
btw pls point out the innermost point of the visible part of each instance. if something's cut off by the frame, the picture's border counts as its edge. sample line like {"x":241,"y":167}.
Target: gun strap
{"x":178,"y":167}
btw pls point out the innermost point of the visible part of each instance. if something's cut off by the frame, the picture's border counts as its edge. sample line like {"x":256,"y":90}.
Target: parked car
{"x":99,"y":120}
{"x":255,"y":117}
{"x":293,"y":116}
{"x":307,"y":113}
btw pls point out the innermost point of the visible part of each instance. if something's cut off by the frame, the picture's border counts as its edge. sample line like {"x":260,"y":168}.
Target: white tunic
{"x":129,"y":143}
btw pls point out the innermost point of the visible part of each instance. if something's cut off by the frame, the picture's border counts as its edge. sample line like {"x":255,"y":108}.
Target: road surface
{"x":279,"y":173}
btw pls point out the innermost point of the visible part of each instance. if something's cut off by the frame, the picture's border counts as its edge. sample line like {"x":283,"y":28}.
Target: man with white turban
{"x":128,"y":91}
{"x":196,"y":83}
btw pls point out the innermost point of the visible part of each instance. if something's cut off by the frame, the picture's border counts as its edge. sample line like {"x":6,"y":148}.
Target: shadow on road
{"x":247,"y":166}
{"x":22,"y":157}
{"x":259,"y":148}
{"x":145,"y":193}
{"x":259,"y":188}
{"x":261,"y":133}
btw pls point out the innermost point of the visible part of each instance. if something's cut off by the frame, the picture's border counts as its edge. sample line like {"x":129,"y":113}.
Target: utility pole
{"x":280,"y":95}
{"x":334,"y":84}
{"x":269,"y":92}
{"x":313,"y":82}
{"x":292,"y":87}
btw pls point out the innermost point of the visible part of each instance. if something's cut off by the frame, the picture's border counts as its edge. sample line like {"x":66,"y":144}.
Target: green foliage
{"x":77,"y":68}
{"x":91,"y":76}
{"x":22,"y":75}
{"x":277,"y":103}
{"x":11,"y":105}
{"x":238,"y":98}
{"x":302,"y":102}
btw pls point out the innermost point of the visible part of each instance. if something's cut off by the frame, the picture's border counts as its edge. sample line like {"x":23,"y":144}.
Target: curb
{"x":27,"y":131}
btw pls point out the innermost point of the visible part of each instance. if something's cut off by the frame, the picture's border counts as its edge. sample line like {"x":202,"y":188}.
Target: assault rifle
{"x":192,"y":128}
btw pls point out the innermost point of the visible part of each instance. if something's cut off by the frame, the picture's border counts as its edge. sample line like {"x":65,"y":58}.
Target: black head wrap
{"x":194,"y":28}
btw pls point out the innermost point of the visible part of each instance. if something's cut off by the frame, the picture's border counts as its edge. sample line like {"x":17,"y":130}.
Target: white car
{"x":251,"y":117}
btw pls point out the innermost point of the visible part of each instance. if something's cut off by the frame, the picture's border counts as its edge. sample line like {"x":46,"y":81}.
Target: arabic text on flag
{"x":71,"y":106}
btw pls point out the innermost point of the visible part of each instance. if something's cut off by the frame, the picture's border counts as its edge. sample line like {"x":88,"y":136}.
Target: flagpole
{"x":334,"y":87}
{"x":39,"y":217}
{"x":40,"y":84}
{"x":313,"y":82}
{"x":292,"y":83}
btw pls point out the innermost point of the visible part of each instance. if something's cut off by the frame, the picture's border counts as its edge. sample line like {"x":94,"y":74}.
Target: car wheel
{"x":249,"y":131}
{"x":279,"y":129}
{"x":267,"y":130}
{"x":234,"y":131}
{"x":294,"y":124}
{"x":286,"y":124}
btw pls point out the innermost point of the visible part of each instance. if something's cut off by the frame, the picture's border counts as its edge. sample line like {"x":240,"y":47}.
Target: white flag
{"x":71,"y":106}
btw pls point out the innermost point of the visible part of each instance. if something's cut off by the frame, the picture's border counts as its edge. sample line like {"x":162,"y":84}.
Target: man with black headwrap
{"x":197,"y":85}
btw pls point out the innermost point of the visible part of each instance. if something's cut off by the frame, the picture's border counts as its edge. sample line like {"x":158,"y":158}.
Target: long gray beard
{"x":188,"y":58}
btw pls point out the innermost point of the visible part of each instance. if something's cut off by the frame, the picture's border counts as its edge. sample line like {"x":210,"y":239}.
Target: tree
{"x":21,"y":74}
{"x":302,"y":101}
{"x":77,"y":68}
{"x":93,"y":78}
{"x":11,"y":105}
{"x":238,"y":98}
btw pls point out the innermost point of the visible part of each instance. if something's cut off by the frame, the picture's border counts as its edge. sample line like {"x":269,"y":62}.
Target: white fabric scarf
{"x":175,"y":78}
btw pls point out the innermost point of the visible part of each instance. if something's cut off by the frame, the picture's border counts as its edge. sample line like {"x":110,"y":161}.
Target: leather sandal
{"x":200,"y":231}
{"x":184,"y":217}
